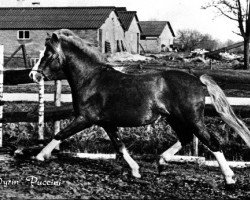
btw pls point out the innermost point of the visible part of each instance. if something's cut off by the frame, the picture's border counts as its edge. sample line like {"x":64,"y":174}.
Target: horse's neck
{"x":79,"y":74}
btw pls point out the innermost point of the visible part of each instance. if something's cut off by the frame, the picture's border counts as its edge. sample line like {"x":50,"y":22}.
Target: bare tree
{"x":189,"y":39}
{"x":238,"y":11}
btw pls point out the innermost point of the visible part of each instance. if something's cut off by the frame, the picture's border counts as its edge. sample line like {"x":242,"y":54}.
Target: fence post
{"x":195,"y":146}
{"x":41,"y":110}
{"x":57,"y":99}
{"x":1,"y":92}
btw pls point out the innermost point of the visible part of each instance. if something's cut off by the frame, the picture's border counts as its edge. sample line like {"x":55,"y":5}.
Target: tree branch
{"x":224,"y":13}
{"x":240,"y":19}
{"x":230,"y":6}
{"x":237,"y":33}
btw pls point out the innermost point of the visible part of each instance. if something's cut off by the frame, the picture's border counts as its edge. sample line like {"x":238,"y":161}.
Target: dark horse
{"x":108,"y":98}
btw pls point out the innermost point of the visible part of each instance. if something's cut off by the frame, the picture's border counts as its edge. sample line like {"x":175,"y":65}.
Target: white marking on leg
{"x":165,"y":156}
{"x":46,"y":152}
{"x":227,"y":172}
{"x":133,"y":165}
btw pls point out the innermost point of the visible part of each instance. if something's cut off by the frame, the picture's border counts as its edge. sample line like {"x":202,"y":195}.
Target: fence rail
{"x":14,"y":77}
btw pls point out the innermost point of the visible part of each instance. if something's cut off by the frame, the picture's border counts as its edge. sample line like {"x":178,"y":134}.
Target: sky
{"x":182,"y":14}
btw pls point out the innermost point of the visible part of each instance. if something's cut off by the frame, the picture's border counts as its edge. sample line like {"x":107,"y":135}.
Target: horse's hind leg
{"x":121,"y":149}
{"x":212,"y":142}
{"x":185,"y":137}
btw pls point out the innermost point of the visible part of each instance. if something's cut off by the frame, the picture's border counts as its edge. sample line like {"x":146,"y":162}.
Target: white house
{"x":156,"y":36}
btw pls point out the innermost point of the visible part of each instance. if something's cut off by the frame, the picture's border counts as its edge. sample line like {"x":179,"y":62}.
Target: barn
{"x":156,"y":36}
{"x":132,"y":30}
{"x":29,"y":26}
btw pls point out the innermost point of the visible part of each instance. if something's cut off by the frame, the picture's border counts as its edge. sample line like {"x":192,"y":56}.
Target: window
{"x":23,"y":35}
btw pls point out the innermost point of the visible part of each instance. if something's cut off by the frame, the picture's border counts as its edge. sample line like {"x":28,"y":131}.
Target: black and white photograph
{"x":124,"y":99}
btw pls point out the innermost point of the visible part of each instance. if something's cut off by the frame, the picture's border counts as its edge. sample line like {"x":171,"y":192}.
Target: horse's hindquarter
{"x":186,"y":92}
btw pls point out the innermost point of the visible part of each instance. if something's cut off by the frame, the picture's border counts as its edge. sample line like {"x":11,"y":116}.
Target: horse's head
{"x":51,"y":60}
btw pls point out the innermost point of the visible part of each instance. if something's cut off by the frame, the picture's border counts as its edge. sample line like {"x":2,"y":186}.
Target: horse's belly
{"x":133,"y":119}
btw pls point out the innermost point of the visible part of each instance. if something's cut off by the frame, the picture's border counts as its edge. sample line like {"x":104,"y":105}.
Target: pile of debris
{"x":206,"y":57}
{"x":198,"y":58}
{"x":230,"y":56}
{"x":127,"y":57}
{"x":199,"y":52}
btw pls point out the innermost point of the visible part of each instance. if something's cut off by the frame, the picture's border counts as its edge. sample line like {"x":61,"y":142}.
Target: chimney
{"x":36,"y":3}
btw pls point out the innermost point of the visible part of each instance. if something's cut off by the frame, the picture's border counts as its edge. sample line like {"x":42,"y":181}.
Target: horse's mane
{"x":85,"y":46}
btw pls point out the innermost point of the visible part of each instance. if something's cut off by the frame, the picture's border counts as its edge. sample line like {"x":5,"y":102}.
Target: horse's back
{"x":172,"y":83}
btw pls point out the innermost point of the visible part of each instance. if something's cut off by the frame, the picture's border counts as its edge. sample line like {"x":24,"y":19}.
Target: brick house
{"x":132,"y":29}
{"x":29,"y":26}
{"x":156,"y":36}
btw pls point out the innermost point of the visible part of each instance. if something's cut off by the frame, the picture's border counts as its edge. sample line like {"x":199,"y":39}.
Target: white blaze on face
{"x":34,"y":74}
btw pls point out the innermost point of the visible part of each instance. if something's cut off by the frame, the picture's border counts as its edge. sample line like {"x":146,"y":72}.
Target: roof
{"x":121,"y":9}
{"x":54,"y":17}
{"x":127,"y":17}
{"x":154,"y":28}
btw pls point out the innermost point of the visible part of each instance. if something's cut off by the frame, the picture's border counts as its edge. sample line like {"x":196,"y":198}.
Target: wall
{"x":151,"y":45}
{"x":88,"y":34}
{"x":111,"y":32}
{"x":131,"y":37}
{"x":166,"y":37}
{"x":9,"y":39}
{"x":155,"y":46}
{"x":36,"y":43}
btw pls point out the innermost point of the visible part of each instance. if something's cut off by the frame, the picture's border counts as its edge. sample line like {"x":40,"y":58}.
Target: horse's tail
{"x":222,"y":106}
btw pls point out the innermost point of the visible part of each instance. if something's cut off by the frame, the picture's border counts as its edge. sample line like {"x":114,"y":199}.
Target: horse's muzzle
{"x":36,"y":76}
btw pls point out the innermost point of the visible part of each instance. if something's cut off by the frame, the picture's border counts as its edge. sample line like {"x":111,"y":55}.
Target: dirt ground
{"x":62,"y":178}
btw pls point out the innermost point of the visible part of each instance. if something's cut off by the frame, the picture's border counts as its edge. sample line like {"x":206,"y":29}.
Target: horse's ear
{"x":55,"y":37}
{"x":48,"y":35}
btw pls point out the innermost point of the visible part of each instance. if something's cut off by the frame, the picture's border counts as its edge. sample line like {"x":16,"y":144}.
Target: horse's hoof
{"x":47,"y":156}
{"x":230,"y":180}
{"x":18,"y":152}
{"x":161,"y":165}
{"x":40,"y":158}
{"x":136,"y":174}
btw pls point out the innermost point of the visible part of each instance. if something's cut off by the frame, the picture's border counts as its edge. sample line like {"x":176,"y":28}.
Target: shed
{"x":132,"y":29}
{"x":156,"y":36}
{"x":29,"y":26}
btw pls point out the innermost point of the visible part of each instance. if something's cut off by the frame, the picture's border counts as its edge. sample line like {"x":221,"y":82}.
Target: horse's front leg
{"x":121,"y":149}
{"x":78,"y":124}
